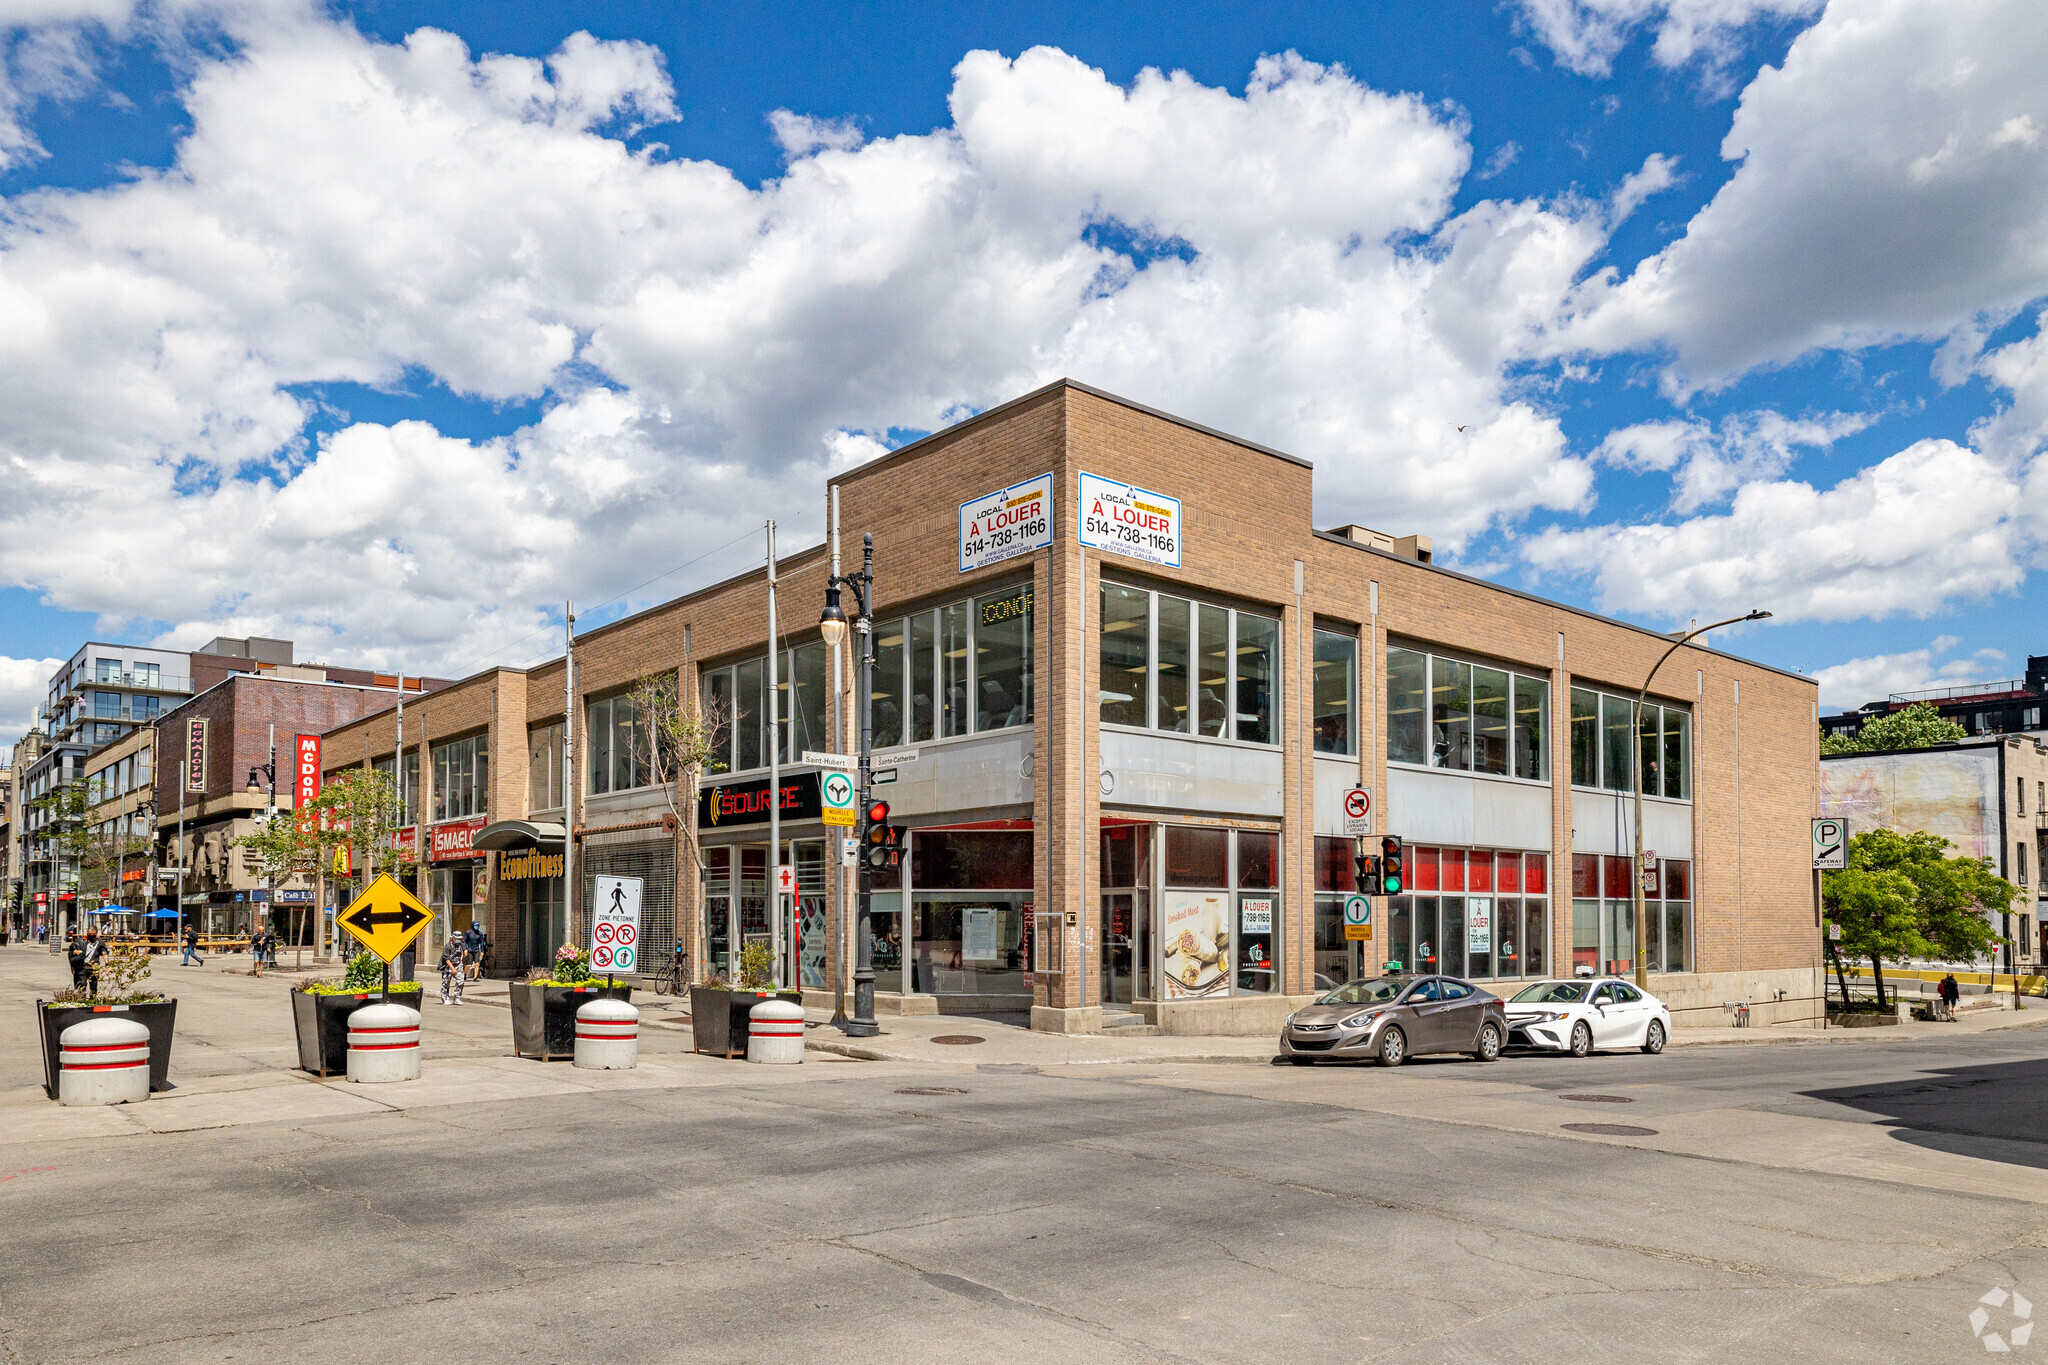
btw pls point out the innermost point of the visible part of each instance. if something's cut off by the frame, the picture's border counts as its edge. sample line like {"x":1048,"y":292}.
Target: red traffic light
{"x":878,"y":812}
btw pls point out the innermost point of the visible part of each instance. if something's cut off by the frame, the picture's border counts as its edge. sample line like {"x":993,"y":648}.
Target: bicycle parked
{"x":674,"y":979}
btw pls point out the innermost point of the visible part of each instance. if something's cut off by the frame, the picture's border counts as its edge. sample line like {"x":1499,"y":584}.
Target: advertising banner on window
{"x":1479,"y":924}
{"x":978,"y":933}
{"x":1195,"y":942}
{"x":1009,"y":522}
{"x":1130,"y":521}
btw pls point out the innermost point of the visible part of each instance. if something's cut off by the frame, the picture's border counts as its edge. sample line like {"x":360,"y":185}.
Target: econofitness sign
{"x":1002,"y":525}
{"x":1126,"y":520}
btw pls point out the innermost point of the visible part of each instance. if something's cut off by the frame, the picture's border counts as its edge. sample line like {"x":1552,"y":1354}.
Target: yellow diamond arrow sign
{"x":386,"y":917}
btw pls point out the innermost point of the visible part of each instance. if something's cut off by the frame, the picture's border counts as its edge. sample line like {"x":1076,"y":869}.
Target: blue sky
{"x":329,"y":326}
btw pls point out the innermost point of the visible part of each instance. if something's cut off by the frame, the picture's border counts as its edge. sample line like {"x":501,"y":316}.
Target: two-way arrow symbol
{"x":366,"y":919}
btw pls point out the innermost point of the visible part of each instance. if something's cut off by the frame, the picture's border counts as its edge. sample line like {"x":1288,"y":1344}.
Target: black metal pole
{"x":863,"y":1025}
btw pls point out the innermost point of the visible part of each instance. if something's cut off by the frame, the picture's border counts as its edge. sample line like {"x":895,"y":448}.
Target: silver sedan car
{"x":1388,"y":1019}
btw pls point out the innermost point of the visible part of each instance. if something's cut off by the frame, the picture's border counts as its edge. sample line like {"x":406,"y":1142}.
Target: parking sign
{"x":1830,"y":843}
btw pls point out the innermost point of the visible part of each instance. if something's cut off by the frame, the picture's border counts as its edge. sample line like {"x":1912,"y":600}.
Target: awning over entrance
{"x":503,"y":835}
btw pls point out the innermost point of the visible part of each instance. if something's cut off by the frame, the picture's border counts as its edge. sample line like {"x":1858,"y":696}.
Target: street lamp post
{"x":1636,"y":871}
{"x":832,"y":625}
{"x":269,"y":771}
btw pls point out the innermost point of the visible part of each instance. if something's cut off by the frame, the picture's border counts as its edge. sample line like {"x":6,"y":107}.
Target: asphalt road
{"x":1230,"y":1212}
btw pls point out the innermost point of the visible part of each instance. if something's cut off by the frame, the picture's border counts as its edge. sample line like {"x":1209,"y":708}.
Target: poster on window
{"x":978,"y":933}
{"x":1479,"y":924}
{"x":1195,"y":941}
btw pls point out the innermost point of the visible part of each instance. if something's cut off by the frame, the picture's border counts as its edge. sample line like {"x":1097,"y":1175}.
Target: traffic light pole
{"x":862,"y":1024}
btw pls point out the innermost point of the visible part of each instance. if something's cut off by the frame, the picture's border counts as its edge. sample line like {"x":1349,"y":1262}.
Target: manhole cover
{"x":958,"y":1039}
{"x":930,"y":1090}
{"x":1598,"y":1099}
{"x":1610,"y":1129}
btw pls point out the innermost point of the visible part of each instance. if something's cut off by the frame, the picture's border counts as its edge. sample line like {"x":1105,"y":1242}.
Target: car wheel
{"x":1582,"y":1038}
{"x":1653,"y":1041}
{"x":1393,"y":1048}
{"x":1489,"y":1044}
{"x":1302,"y":1061}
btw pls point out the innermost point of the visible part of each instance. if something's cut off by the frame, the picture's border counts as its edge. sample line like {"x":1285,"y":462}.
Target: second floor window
{"x":544,"y":790}
{"x":408,"y":787}
{"x":462,"y":783}
{"x":1186,"y":667}
{"x":1602,"y":754}
{"x":620,"y":756}
{"x":1470,"y":717}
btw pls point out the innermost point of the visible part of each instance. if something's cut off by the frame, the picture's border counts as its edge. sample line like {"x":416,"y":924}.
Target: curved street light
{"x":1636,"y":870}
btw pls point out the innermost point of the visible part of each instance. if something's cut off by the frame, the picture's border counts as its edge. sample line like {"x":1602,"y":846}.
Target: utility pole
{"x":774,"y":780}
{"x":843,"y":969}
{"x":569,"y":782}
{"x":1636,"y":864}
{"x":832,"y":624}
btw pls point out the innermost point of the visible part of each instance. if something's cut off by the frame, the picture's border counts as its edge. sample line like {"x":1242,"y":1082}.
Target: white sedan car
{"x":1587,"y":1014}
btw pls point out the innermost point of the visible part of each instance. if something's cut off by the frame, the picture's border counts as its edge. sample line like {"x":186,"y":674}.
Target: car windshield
{"x":1378,"y":991}
{"x":1553,"y":993}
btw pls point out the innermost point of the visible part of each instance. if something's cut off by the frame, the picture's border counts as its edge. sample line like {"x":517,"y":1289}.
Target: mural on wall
{"x":1947,"y":792}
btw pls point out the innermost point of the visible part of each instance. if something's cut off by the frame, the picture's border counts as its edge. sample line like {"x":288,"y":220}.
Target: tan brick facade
{"x":1248,"y":541}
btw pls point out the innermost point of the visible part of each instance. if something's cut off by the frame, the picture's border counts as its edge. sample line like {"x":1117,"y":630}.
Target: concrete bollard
{"x":608,"y":1036}
{"x":775,"y":1032}
{"x":384,"y":1044}
{"x":103,"y":1061}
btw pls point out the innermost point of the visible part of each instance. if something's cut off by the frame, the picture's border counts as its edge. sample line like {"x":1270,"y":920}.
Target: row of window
{"x":1186,"y":667}
{"x":957,"y":670}
{"x":1601,"y":748}
{"x":1447,"y":713}
{"x":462,"y":778}
{"x":1603,"y":914}
{"x":737,"y":698}
{"x":118,"y":779}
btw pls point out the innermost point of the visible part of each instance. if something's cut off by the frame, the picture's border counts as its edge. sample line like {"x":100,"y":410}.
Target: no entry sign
{"x":615,"y":925}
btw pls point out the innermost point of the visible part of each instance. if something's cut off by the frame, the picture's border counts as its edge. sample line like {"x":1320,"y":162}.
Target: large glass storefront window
{"x":1464,"y":716}
{"x":1219,"y":924}
{"x":1471,"y":912}
{"x":1603,"y":915}
{"x":970,"y":901}
{"x":1150,"y":642}
{"x":1258,"y":900}
{"x":1336,"y":879}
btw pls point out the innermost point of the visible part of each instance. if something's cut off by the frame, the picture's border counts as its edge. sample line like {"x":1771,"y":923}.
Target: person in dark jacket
{"x":95,"y":953}
{"x":191,"y":956}
{"x":1950,"y":994}
{"x":474,"y":941}
{"x":74,"y":952}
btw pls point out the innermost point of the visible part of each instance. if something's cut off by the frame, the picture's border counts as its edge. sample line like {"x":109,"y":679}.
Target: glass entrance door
{"x":1127,"y":949}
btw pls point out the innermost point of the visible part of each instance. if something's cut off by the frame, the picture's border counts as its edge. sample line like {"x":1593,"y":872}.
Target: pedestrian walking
{"x":95,"y":953}
{"x":74,"y":953}
{"x":191,"y":957}
{"x":453,"y":954}
{"x":1951,"y":993}
{"x":474,"y":941}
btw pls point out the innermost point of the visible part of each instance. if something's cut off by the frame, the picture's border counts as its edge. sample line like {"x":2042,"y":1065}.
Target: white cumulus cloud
{"x":1847,"y":685}
{"x":24,"y":686}
{"x":1586,"y":35}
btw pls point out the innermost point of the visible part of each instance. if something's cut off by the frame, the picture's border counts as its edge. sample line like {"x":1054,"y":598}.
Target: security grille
{"x":630,"y":853}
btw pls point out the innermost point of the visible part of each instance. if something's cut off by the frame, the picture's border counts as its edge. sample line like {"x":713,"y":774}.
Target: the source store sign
{"x":1125,"y":520}
{"x":1003,"y":525}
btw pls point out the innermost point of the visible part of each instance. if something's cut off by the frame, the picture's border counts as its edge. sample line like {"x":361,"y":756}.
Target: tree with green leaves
{"x":357,"y":810}
{"x":96,"y":852}
{"x":1918,"y":726}
{"x":678,"y":737}
{"x":1904,"y":896}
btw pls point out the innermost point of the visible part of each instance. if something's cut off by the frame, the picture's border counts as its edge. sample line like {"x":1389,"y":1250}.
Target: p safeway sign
{"x":1830,"y":843}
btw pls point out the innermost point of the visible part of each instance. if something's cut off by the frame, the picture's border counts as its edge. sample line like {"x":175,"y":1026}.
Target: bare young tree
{"x":677,"y":735}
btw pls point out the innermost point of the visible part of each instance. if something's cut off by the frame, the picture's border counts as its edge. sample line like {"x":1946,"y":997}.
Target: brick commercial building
{"x":203,"y":801}
{"x":1123,"y":687}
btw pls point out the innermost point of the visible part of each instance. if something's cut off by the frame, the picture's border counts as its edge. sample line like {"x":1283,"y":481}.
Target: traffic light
{"x":1368,"y":874}
{"x":1390,"y":866}
{"x":881,"y":842}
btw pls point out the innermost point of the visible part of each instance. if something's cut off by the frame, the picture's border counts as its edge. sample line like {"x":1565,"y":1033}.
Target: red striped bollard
{"x":384,"y":1044}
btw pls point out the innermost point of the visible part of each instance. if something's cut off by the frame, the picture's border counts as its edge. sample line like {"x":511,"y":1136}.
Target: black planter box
{"x":544,"y":1017}
{"x":321,"y":1022}
{"x":718,"y":1017}
{"x":157,"y":1017}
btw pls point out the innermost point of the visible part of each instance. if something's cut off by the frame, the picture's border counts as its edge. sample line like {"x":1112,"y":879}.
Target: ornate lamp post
{"x":1636,"y":871}
{"x":832,"y":623}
